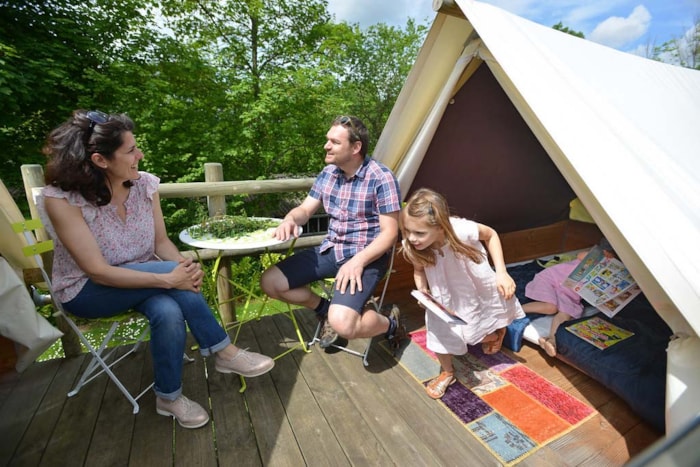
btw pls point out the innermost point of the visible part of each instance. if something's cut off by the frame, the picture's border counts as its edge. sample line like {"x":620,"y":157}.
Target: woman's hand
{"x":187,"y":275}
{"x":505,"y":284}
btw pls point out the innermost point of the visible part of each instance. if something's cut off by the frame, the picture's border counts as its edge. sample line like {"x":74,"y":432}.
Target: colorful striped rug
{"x":511,"y":409}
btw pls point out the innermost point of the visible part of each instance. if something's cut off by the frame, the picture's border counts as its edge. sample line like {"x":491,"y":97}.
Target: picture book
{"x":599,"y":332}
{"x":603,"y":282}
{"x":436,"y":307}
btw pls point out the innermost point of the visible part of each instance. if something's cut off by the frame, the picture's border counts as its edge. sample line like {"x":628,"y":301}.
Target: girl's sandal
{"x":437,"y":386}
{"x":492,"y":347}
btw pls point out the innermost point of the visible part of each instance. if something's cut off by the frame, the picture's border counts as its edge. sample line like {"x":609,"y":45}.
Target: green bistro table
{"x":251,"y":245}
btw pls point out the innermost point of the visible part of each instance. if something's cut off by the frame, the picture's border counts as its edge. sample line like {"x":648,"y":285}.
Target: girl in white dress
{"x":450,"y":263}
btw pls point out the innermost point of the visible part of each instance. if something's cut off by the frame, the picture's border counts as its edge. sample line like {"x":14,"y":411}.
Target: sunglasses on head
{"x":96,"y":117}
{"x":350,"y":125}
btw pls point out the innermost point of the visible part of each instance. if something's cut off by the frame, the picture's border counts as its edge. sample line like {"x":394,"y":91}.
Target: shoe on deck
{"x":437,"y":386}
{"x":245,"y":363}
{"x":188,"y":414}
{"x":328,"y":335}
{"x":399,"y":332}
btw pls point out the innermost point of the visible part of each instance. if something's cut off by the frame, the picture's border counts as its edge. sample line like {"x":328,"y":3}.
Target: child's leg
{"x":549,"y":344}
{"x":542,"y":308}
{"x":437,"y":386}
{"x":493,"y":342}
{"x":445,"y":362}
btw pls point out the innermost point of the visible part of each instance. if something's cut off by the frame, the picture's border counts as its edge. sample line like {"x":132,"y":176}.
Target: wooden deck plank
{"x":235,"y":439}
{"x":8,"y":379}
{"x":626,"y":447}
{"x":152,"y":442}
{"x":44,"y":422}
{"x":315,"y":437}
{"x":78,"y":417}
{"x":22,"y":404}
{"x":195,"y":447}
{"x":314,"y":408}
{"x":114,"y":426}
{"x":275,"y":437}
{"x":452,"y":443}
{"x":388,"y":388}
{"x":343,"y":417}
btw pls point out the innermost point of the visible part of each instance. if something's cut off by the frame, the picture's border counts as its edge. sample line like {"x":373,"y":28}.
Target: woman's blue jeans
{"x":167,"y":310}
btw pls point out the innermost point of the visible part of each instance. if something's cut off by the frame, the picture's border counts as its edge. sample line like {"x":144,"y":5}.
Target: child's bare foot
{"x":549,"y":345}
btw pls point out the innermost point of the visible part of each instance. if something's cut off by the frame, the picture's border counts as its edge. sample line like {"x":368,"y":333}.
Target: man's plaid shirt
{"x":354,"y":205}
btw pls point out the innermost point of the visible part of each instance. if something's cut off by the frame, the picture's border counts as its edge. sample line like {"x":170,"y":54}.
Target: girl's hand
{"x":505,"y":284}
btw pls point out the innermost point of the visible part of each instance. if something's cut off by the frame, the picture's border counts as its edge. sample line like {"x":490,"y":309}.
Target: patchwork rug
{"x":511,"y":409}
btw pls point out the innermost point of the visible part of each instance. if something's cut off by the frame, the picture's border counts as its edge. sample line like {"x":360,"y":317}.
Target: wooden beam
{"x":448,"y":7}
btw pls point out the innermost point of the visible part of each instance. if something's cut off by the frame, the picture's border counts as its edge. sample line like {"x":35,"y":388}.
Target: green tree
{"x":372,"y":68}
{"x":247,"y":83}
{"x":560,"y":27}
{"x":683,"y":51}
{"x":265,"y":54}
{"x":50,"y":51}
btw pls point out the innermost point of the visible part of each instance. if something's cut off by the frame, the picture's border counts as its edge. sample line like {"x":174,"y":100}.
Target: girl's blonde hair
{"x":432,"y":207}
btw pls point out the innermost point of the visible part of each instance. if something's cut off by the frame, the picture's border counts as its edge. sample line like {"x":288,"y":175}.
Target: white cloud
{"x":616,"y":31}
{"x":390,"y":12}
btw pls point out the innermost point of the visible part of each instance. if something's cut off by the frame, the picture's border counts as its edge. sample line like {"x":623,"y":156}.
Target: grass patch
{"x":132,"y":327}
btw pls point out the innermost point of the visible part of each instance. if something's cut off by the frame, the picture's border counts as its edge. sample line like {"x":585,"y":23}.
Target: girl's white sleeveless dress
{"x":469,"y":289}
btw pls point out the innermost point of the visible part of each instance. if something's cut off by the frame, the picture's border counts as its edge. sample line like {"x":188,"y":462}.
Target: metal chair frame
{"x":327,"y":286}
{"x":251,"y":295}
{"x":99,"y":362}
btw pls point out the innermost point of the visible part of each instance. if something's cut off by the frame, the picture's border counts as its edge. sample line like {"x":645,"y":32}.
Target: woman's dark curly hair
{"x":70,"y":146}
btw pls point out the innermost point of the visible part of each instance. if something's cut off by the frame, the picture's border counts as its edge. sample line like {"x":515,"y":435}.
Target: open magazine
{"x":436,"y":307}
{"x":603,"y":282}
{"x":599,"y":332}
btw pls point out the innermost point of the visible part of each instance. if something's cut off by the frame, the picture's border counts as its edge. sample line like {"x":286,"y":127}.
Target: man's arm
{"x":300,"y":215}
{"x":388,"y":235}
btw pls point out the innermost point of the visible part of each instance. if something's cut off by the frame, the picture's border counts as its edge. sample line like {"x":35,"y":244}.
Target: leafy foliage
{"x":683,"y":51}
{"x":226,"y":226}
{"x":560,"y":27}
{"x":251,"y":84}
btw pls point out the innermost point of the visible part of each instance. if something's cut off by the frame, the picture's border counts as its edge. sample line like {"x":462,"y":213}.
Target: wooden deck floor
{"x":314,"y":408}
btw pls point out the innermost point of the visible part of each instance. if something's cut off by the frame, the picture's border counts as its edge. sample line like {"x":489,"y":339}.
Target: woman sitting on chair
{"x":112,"y":254}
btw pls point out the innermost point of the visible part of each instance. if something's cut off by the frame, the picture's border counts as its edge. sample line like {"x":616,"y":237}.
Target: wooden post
{"x":448,"y":7}
{"x":214,"y":172}
{"x":33,"y":176}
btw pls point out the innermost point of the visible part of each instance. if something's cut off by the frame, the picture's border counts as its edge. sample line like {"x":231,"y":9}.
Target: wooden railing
{"x":216,"y":190}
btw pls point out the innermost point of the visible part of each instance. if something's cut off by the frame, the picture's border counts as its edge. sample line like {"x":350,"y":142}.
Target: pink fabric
{"x":132,"y":241}
{"x":546,"y":287}
{"x":469,"y":289}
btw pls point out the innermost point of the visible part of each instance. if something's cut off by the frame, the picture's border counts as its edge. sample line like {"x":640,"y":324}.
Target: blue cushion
{"x":521,"y":274}
{"x":635,"y":368}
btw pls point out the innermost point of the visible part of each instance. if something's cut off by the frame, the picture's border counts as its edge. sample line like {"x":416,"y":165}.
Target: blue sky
{"x":628,"y":25}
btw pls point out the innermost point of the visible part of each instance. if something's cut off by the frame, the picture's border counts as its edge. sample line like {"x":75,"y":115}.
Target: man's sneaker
{"x":328,"y":335}
{"x":397,"y":330}
{"x":245,"y":363}
{"x":188,"y":414}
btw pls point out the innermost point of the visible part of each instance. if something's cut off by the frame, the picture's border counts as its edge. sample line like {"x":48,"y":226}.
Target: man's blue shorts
{"x":307,"y":266}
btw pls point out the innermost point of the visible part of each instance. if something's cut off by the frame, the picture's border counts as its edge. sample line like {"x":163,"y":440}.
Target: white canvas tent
{"x":622,"y":132}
